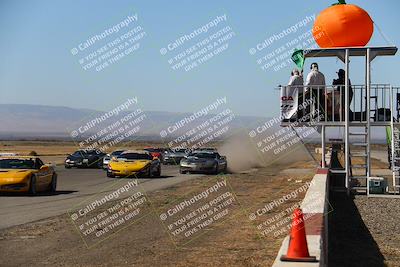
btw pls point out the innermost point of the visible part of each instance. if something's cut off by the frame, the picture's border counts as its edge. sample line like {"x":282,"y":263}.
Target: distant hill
{"x":36,"y":121}
{"x":20,"y":121}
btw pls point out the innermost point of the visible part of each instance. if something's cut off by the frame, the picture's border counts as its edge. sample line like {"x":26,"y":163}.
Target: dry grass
{"x":55,"y":151}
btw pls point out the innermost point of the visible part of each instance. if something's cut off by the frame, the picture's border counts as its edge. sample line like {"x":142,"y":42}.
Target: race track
{"x":75,"y":186}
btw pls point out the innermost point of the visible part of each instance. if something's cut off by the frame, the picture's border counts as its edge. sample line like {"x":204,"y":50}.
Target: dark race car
{"x":85,"y":159}
{"x":204,"y":162}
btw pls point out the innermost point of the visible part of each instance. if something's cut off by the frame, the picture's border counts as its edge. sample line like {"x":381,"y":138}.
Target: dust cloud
{"x":243,"y":154}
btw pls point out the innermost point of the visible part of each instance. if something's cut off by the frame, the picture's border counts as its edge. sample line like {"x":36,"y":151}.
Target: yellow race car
{"x":26,"y":174}
{"x":134,"y":163}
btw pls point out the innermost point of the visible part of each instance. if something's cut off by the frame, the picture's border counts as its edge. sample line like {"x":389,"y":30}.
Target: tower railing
{"x":326,"y":104}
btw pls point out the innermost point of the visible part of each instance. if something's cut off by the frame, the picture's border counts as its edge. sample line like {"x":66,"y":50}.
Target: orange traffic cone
{"x":298,"y":249}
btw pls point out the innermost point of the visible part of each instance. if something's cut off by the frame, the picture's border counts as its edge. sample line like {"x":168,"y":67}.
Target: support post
{"x":346,"y":119}
{"x":392,"y":141}
{"x":368,"y":87}
{"x":323,"y":146}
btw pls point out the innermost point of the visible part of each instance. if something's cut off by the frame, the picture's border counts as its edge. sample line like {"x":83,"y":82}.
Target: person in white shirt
{"x":295,"y":84}
{"x":315,"y":86}
{"x":296,"y":79}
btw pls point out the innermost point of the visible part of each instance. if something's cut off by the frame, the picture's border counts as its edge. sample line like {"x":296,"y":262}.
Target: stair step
{"x":359,"y":166}
{"x":359,"y":155}
{"x":358,"y":177}
{"x":359,"y":144}
{"x":358,"y":133}
{"x":359,"y":187}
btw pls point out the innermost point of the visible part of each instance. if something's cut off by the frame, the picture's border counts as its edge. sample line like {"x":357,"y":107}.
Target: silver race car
{"x":204,"y":162}
{"x":174,"y":156}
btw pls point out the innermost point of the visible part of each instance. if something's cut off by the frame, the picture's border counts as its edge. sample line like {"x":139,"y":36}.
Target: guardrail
{"x":325,"y":103}
{"x":316,"y":223}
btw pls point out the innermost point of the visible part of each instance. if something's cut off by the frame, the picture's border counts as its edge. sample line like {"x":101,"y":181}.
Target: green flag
{"x":298,"y":58}
{"x":388,"y":135}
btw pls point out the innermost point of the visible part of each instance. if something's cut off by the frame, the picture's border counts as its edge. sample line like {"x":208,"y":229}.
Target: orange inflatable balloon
{"x":343,"y":25}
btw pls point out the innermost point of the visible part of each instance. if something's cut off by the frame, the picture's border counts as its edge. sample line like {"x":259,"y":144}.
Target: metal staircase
{"x":360,"y":151}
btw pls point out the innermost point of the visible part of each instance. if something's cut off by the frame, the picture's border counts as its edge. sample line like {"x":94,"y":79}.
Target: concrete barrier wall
{"x":315,"y":206}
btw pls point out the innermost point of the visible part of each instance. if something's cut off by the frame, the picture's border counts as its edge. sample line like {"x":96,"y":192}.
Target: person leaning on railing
{"x":296,"y":82}
{"x":340,"y":87}
{"x":315,"y":89}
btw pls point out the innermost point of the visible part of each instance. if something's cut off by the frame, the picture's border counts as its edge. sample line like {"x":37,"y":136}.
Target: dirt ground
{"x":379,"y":216}
{"x":235,"y":241}
{"x":363,"y":231}
{"x":359,"y":227}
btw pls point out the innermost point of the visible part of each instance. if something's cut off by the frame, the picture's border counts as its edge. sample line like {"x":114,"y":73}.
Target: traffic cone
{"x":298,"y":249}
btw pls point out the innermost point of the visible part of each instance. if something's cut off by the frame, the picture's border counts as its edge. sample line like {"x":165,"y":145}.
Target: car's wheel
{"x":158,"y":173}
{"x":67,"y":167}
{"x":53,"y":184}
{"x":32,"y":185}
{"x":182,"y":171}
{"x":148,"y":172}
{"x":215,"y":168}
{"x":110,"y":175}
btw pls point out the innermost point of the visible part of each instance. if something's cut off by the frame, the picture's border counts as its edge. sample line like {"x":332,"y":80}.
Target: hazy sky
{"x":37,"y":66}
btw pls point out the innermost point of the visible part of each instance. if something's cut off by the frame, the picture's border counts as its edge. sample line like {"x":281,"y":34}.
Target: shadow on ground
{"x":350,"y":242}
{"x":39,"y":194}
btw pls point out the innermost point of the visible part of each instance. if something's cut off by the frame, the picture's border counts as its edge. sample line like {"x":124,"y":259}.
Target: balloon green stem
{"x":340,"y":2}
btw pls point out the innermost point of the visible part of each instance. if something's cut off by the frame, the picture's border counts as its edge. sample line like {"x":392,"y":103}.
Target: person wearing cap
{"x":340,"y":87}
{"x":315,"y":87}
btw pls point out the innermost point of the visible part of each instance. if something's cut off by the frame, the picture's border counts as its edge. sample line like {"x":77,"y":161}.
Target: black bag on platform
{"x":383,"y":114}
{"x":358,"y":116}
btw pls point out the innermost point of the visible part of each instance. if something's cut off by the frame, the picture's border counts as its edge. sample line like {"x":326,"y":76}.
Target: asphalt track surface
{"x":75,"y":186}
